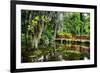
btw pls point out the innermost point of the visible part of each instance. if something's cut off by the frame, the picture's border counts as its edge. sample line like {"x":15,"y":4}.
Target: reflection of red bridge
{"x":74,"y":38}
{"x":81,"y":38}
{"x":82,"y":49}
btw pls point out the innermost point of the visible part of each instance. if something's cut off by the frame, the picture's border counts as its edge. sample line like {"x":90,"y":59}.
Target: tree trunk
{"x":59,"y":20}
{"x":37,"y":36}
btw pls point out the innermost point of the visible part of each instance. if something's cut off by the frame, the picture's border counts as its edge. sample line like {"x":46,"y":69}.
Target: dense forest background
{"x":54,"y":36}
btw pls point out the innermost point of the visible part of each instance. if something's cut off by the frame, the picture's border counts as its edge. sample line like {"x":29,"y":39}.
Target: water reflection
{"x":64,"y":51}
{"x":60,"y":50}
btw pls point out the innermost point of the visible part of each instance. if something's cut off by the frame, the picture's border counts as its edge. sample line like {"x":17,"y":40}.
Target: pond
{"x":60,"y":51}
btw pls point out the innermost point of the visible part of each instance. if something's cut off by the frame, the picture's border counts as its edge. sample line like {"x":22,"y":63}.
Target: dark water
{"x":59,"y":51}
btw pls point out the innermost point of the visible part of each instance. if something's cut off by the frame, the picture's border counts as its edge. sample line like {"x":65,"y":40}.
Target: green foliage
{"x":37,"y":23}
{"x":74,"y":25}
